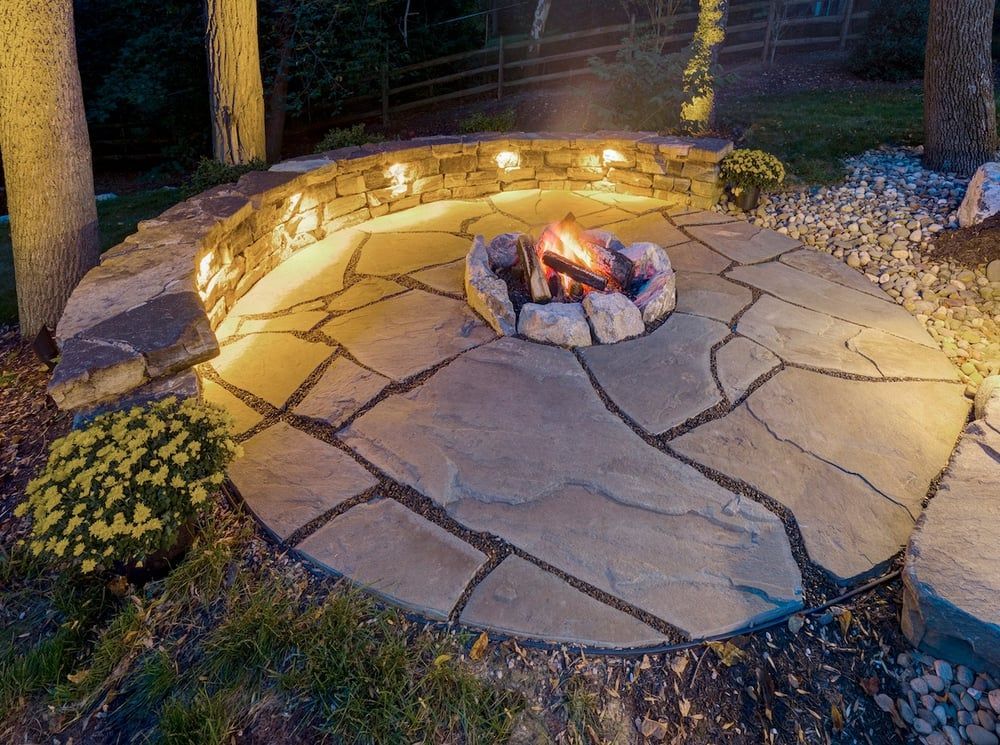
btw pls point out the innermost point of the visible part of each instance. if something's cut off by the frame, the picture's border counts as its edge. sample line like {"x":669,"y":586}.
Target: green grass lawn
{"x":117,"y":219}
{"x":813,"y":131}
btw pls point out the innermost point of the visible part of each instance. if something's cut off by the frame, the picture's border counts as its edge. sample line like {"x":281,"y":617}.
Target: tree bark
{"x":960,"y":127}
{"x":698,"y":109}
{"x":237,"y":93}
{"x":46,"y":158}
{"x":277,"y":99}
{"x":538,"y":25}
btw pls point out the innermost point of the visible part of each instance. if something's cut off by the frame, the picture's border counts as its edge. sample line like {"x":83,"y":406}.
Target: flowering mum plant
{"x":744,"y":169}
{"x":122,"y":488}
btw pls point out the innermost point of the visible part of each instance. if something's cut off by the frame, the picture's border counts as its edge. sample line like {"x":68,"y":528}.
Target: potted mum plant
{"x":747,"y":172}
{"x":123,"y":494}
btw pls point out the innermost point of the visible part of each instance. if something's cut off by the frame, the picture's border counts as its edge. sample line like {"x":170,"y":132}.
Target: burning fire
{"x":562,"y":238}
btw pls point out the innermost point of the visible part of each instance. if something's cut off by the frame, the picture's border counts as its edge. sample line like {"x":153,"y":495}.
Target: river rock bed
{"x":882,"y":220}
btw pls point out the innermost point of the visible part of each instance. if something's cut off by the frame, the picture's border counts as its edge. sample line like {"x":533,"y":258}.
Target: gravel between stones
{"x":882,"y":220}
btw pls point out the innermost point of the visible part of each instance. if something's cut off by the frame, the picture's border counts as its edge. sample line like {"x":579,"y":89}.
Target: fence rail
{"x":756,"y":30}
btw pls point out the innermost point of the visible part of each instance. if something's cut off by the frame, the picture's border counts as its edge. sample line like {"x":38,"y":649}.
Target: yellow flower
{"x":88,"y":565}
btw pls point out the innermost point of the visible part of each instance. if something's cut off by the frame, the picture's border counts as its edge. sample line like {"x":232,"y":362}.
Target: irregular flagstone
{"x":446,"y":278}
{"x":342,"y":389}
{"x":695,"y":257}
{"x":402,"y":253}
{"x":300,"y":321}
{"x":633,"y":203}
{"x":821,"y":265}
{"x":739,"y":362}
{"x":950,"y":577}
{"x":854,"y":497}
{"x":849,"y":460}
{"x":522,"y":599}
{"x":396,"y":553}
{"x":497,"y":223}
{"x":289,"y":478}
{"x":447,"y":217}
{"x":313,"y":272}
{"x":537,"y":208}
{"x":604,"y":217}
{"x":685,"y":216}
{"x":363,"y":292}
{"x":815,"y":339}
{"x":244,"y":418}
{"x":408,"y":333}
{"x":711,"y":296}
{"x":654,"y":228}
{"x":663,"y":379}
{"x":824,"y":296}
{"x":270,"y":366}
{"x":512,"y":439}
{"x":742,"y":242}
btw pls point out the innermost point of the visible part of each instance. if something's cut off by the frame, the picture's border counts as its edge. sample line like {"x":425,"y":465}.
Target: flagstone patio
{"x":786,"y":421}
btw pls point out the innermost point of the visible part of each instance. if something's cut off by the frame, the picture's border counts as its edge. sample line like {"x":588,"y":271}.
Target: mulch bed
{"x":29,"y":421}
{"x":977,"y":244}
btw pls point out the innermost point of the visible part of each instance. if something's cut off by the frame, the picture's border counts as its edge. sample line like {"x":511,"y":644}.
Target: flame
{"x":564,"y":241}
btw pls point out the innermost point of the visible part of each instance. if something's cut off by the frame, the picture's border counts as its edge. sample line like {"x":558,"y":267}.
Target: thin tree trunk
{"x":698,"y":109}
{"x":237,"y":94}
{"x":960,"y":127}
{"x":538,"y":25}
{"x":46,"y":158}
{"x":277,"y":99}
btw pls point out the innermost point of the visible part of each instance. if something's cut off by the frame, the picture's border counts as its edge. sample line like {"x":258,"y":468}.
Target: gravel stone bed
{"x":882,"y":220}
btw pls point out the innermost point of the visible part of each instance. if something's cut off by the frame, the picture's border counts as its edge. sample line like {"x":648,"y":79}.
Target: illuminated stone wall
{"x":138,"y":323}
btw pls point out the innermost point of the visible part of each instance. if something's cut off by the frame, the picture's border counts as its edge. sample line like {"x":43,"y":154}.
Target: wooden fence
{"x":756,"y":29}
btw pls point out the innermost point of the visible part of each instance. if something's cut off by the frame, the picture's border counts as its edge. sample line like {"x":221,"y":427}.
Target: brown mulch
{"x":29,"y":421}
{"x":977,"y":244}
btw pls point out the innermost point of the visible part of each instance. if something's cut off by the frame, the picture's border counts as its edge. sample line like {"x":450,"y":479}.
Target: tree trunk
{"x":46,"y":158}
{"x":277,"y":99}
{"x":237,"y":94}
{"x":538,"y":25}
{"x":698,"y":109}
{"x":960,"y":128}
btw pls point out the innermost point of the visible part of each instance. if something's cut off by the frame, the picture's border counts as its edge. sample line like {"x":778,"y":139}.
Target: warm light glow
{"x":613,"y":156}
{"x":508,"y":160}
{"x":397,"y":175}
{"x":204,"y":274}
{"x":564,"y":242}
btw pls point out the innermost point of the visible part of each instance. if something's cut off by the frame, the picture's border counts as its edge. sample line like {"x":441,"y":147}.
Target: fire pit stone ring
{"x":535,"y":288}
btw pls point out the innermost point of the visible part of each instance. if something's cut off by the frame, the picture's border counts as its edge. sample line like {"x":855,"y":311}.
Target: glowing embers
{"x":577,"y":262}
{"x":396,"y":173}
{"x":508,"y":160}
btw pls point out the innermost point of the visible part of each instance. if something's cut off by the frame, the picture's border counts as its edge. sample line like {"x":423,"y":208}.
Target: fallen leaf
{"x":685,"y":707}
{"x":727,"y":652}
{"x":479,"y":647}
{"x":679,"y":664}
{"x":78,"y":677}
{"x":836,"y":718}
{"x":441,"y":659}
{"x":845,"y":619}
{"x":871,"y":685}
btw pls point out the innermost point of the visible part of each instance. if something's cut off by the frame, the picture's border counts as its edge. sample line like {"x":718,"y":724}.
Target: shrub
{"x":122,"y":487}
{"x":893,"y":45}
{"x":743,"y":169}
{"x":480,"y":121}
{"x":346,"y":137}
{"x":211,"y":173}
{"x":644,"y":90}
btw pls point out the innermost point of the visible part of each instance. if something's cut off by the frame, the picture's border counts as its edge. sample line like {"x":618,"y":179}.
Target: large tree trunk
{"x":237,"y":94}
{"x":538,"y":25}
{"x":698,"y":109}
{"x":46,"y":158}
{"x":960,"y":128}
{"x":277,"y":99}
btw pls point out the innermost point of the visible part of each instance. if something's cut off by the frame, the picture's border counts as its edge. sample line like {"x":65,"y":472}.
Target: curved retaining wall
{"x":138,"y":323}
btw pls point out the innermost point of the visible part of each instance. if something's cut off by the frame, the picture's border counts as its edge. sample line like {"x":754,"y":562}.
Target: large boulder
{"x":982,"y":199}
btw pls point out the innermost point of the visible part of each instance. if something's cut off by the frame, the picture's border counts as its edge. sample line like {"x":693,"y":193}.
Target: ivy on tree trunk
{"x":46,"y":158}
{"x":960,"y":127}
{"x":698,"y":109}
{"x":237,"y":94}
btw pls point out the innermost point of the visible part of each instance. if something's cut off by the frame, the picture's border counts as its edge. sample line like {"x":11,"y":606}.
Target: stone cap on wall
{"x":148,"y":312}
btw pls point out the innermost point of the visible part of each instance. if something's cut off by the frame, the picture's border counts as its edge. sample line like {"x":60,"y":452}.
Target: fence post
{"x":845,"y":28}
{"x":772,"y":13}
{"x":385,"y":94}
{"x":499,"y":67}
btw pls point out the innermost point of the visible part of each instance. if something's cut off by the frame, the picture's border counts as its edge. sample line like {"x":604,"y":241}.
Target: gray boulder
{"x":564,"y":324}
{"x":982,"y":199}
{"x":612,"y":316}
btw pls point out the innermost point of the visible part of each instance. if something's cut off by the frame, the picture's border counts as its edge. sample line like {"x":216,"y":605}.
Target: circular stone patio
{"x":786,"y":421}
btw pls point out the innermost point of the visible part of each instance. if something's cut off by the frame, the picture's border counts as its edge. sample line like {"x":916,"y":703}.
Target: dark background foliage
{"x":893,"y":45}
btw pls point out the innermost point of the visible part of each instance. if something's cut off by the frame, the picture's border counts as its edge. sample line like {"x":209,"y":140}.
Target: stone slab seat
{"x":148,"y":312}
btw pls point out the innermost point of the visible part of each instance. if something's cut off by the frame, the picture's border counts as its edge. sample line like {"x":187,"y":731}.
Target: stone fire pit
{"x":499,"y":285}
